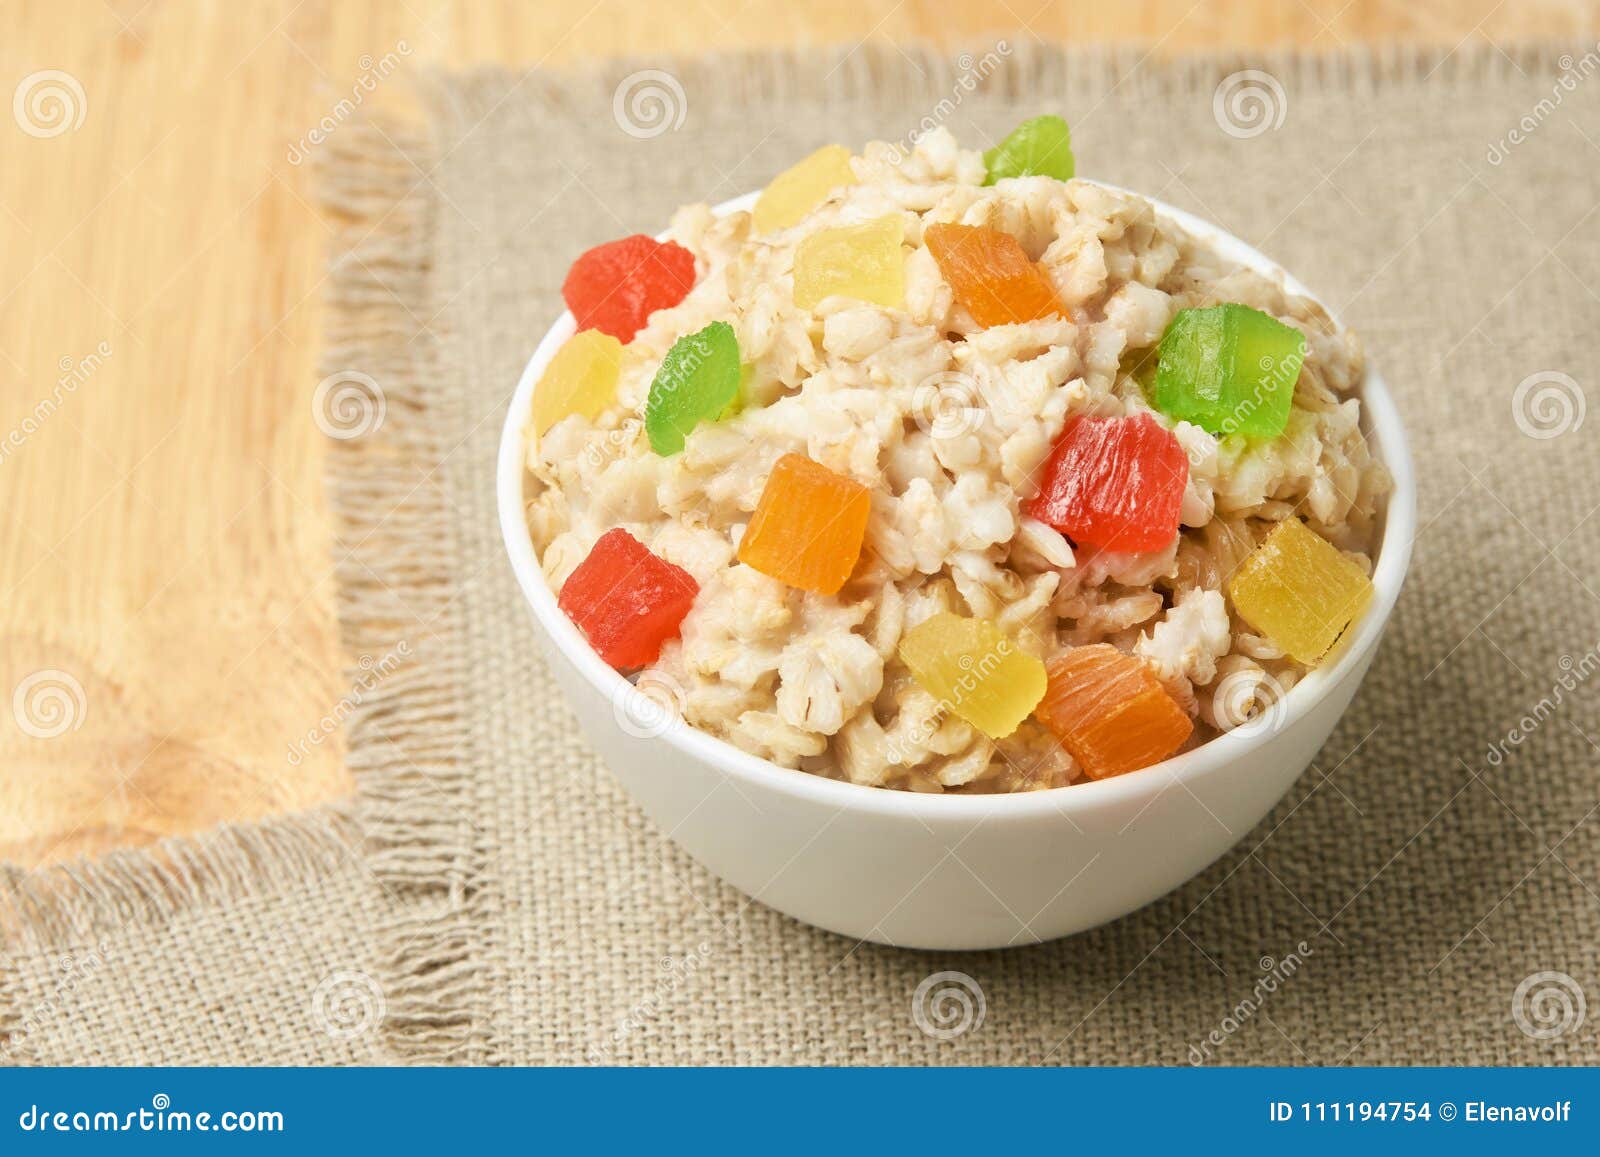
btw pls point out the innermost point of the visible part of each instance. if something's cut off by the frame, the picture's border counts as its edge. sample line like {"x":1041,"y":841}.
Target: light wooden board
{"x":165,"y":551}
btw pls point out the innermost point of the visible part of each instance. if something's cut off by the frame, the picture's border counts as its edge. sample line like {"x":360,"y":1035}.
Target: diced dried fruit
{"x":808,"y":526}
{"x":580,"y":379}
{"x":797,"y":190}
{"x":615,"y":287}
{"x":861,"y":261}
{"x":991,"y":275}
{"x":1229,"y":369}
{"x":1116,"y":483}
{"x":697,"y":382}
{"x":1038,"y":147}
{"x":1110,"y":711}
{"x":626,"y":600}
{"x":975,"y":671}
{"x":1299,"y":591}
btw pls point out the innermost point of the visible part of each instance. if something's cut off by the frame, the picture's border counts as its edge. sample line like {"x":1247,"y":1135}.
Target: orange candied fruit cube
{"x":991,"y":275}
{"x":1110,"y":711}
{"x":808,"y":526}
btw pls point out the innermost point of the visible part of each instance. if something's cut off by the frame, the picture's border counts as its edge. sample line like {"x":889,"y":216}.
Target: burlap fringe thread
{"x":394,"y":531}
{"x":1017,"y":66}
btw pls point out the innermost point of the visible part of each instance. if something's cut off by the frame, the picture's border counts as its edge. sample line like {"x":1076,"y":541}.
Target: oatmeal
{"x":945,"y":486}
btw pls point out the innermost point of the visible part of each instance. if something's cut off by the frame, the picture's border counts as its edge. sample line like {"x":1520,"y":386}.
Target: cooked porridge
{"x":922,"y":482}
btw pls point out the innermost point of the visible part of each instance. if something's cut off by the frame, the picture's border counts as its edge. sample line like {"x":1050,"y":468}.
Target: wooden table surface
{"x":168,"y":624}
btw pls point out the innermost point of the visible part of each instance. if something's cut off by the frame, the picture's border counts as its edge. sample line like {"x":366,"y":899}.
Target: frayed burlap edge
{"x":1016,"y":66}
{"x":395,"y":553}
{"x":394,"y":558}
{"x":55,"y":910}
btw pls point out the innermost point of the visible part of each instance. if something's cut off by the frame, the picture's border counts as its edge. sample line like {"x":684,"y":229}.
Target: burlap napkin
{"x":1429,"y":893}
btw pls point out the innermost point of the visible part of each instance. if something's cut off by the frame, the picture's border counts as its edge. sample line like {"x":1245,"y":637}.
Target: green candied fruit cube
{"x":1041,"y":147}
{"x":697,"y":382}
{"x":1229,"y":369}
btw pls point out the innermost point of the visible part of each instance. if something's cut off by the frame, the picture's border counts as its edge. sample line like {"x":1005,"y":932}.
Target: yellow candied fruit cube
{"x":580,"y":379}
{"x":797,"y":190}
{"x":861,"y":261}
{"x":975,"y":671}
{"x":1299,"y":591}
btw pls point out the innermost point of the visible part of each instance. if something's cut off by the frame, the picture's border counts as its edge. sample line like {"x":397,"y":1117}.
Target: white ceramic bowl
{"x":959,"y":872}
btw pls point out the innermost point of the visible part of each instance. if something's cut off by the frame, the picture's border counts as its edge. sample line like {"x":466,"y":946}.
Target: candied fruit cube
{"x":974,"y":670}
{"x":808,"y":526}
{"x":580,"y":379}
{"x":1229,"y":369}
{"x":626,"y":600}
{"x":861,"y":261}
{"x":991,"y":275}
{"x":797,"y":190}
{"x":1115,"y":483}
{"x":615,"y":287}
{"x":697,"y":382}
{"x":1298,"y":590}
{"x":1110,"y":711}
{"x":1041,"y":146}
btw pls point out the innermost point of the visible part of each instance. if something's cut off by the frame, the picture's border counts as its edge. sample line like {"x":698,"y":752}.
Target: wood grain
{"x":168,"y":629}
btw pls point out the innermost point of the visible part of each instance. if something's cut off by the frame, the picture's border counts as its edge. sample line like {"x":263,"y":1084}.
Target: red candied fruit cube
{"x":1115,"y":483}
{"x":615,"y":287}
{"x":626,"y":600}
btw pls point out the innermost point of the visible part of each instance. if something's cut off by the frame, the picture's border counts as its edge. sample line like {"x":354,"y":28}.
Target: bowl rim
{"x":1385,"y":433}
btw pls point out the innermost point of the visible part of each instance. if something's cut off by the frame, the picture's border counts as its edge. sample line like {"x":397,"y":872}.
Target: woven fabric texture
{"x":493,"y":897}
